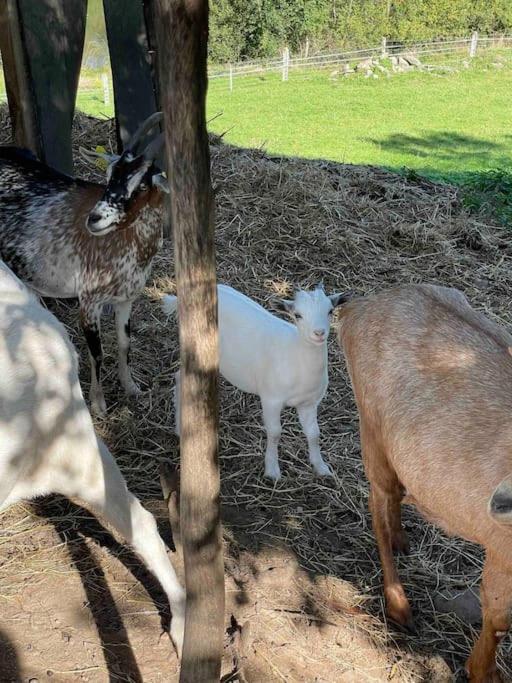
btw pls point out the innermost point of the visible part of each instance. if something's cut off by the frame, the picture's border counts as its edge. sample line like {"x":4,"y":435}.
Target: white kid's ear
{"x":159,"y":180}
{"x":284,"y":306}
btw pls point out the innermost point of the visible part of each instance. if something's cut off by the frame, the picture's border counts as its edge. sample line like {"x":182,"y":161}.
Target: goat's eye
{"x":331,"y":311}
{"x":298,"y":316}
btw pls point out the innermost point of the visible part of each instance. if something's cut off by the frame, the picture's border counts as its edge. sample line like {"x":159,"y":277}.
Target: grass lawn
{"x":440,"y":125}
{"x":454,"y":125}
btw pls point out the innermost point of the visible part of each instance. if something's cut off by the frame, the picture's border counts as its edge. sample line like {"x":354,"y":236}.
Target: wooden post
{"x":182,"y":36}
{"x":383,"y":48}
{"x":19,"y":96}
{"x":474,"y":44}
{"x":286,"y":62}
{"x":306,"y":49}
{"x":230,"y":78}
{"x":106,"y":90}
{"x":44,"y":47}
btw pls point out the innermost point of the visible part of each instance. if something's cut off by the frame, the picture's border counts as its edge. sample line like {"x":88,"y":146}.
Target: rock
{"x":465,"y":605}
{"x":403,"y":64}
{"x":412,"y":60}
{"x":365,"y":64}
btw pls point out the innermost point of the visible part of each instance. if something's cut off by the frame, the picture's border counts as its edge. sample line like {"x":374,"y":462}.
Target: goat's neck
{"x":315,"y":354}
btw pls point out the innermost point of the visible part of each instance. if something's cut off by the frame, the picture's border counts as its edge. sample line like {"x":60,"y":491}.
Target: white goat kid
{"x":284,"y":364}
{"x":48,"y":443}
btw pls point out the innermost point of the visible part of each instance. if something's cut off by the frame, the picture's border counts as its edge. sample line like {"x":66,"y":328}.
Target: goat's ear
{"x":135,"y":177}
{"x":338,"y":299}
{"x":284,"y":306}
{"x":159,"y":180}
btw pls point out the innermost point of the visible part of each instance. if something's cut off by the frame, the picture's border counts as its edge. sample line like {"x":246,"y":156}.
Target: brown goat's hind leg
{"x":385,"y":498}
{"x":496,"y":595}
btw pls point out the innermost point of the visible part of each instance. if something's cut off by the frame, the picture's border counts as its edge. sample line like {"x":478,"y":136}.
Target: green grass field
{"x":440,"y":125}
{"x":447,"y":125}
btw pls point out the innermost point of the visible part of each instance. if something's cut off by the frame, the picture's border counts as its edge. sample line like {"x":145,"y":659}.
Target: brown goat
{"x":433,"y":384}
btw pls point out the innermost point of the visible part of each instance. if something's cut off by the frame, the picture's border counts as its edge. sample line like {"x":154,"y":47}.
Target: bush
{"x":261,"y":28}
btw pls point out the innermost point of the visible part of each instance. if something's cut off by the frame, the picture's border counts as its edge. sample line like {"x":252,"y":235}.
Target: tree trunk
{"x":182,"y":34}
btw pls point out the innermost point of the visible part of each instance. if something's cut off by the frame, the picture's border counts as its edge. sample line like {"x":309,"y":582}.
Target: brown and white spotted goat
{"x":66,"y":238}
{"x":433,"y":384}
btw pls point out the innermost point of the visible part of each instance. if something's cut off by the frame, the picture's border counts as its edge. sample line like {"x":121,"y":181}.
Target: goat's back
{"x":433,"y":384}
{"x":41,"y":403}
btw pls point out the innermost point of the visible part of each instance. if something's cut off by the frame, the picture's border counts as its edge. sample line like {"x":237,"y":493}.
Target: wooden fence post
{"x":182,"y":37}
{"x":231,"y":77}
{"x":19,"y":96}
{"x":286,"y":63}
{"x":383,"y":48}
{"x":44,"y":48}
{"x":106,"y":90}
{"x":474,"y":44}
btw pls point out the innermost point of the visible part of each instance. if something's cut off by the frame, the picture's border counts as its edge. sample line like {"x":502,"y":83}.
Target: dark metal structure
{"x":42,"y":44}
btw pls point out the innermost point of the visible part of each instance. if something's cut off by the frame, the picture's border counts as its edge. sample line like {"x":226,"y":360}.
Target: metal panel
{"x":52,"y":33}
{"x":134,"y":92}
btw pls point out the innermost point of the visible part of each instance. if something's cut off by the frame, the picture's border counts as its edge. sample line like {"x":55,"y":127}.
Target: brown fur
{"x":433,"y":384}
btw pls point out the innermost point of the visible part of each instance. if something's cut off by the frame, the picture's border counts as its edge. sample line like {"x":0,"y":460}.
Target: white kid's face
{"x":312,"y":313}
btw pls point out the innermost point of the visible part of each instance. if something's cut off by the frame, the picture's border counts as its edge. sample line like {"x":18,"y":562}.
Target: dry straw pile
{"x":301,"y":561}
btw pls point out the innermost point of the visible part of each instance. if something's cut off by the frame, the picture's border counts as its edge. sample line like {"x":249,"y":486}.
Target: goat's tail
{"x":169,"y":304}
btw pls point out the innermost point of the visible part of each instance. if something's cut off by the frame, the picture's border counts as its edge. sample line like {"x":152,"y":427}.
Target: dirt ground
{"x":303,"y":582}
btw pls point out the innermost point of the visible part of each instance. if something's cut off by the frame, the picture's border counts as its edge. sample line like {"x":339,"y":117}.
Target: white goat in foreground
{"x":47,"y":440}
{"x":284,"y":364}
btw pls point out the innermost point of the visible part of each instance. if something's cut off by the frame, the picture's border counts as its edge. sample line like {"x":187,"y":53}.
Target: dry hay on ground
{"x":301,"y":562}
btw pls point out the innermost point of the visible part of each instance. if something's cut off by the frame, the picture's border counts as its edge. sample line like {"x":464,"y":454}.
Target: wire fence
{"x":469,"y":46}
{"x":96,"y":94}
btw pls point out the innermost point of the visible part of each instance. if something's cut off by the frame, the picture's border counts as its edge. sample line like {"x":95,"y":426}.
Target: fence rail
{"x":468,"y":46}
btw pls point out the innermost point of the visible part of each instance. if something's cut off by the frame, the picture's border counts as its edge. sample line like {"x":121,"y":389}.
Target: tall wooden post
{"x":17,"y":84}
{"x":182,"y":35}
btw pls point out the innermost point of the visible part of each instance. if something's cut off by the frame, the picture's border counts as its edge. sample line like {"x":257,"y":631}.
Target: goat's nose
{"x":94,"y":217}
{"x":319,"y":333}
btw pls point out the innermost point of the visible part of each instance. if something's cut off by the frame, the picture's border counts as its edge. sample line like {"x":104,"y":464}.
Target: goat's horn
{"x":144,"y":127}
{"x":152,"y":150}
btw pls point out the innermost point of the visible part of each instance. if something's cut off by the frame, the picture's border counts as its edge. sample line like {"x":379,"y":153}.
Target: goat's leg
{"x":90,"y":319}
{"x":272,"y":422}
{"x":496,"y":596}
{"x":123,"y":312}
{"x":308,"y":419}
{"x":108,"y":496}
{"x":385,"y":499}
{"x":177,"y":402}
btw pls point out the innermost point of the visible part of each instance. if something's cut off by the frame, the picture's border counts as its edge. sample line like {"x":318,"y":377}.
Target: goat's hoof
{"x":133,"y":389}
{"x":273,"y":472}
{"x":398,"y":608}
{"x":99,"y":406}
{"x":177,"y":631}
{"x":475,"y":672}
{"x":323,"y":470}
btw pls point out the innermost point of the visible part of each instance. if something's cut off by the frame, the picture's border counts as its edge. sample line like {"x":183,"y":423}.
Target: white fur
{"x":47,"y":440}
{"x":284,"y":364}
